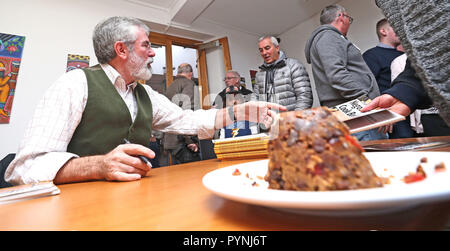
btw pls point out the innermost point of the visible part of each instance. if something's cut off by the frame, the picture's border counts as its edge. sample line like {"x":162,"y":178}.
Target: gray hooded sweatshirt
{"x":339,"y":70}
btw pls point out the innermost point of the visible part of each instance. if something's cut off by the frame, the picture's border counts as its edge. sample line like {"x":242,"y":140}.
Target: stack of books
{"x":255,"y":146}
{"x":251,"y":146}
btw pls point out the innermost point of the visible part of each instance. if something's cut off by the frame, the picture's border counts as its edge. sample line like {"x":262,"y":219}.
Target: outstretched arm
{"x":254,"y":111}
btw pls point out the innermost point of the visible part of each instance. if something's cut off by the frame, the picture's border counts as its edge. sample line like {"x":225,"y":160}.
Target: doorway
{"x":171,"y":51}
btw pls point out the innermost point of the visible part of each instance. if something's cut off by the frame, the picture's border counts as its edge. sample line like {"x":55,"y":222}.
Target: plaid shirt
{"x":43,"y":150}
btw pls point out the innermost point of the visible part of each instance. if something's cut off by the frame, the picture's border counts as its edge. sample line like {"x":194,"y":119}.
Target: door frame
{"x":169,"y":40}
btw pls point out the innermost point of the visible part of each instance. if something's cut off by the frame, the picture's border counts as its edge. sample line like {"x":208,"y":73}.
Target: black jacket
{"x":407,"y":87}
{"x":242,"y":96}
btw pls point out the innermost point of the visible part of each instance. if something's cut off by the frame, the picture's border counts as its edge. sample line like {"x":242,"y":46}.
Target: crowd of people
{"x":78,"y":129}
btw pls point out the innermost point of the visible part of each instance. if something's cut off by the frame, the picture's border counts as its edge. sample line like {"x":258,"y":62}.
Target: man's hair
{"x":112,"y":30}
{"x":235,"y":73}
{"x":329,"y":13}
{"x":272,"y":38}
{"x":184,"y":68}
{"x":380,"y":24}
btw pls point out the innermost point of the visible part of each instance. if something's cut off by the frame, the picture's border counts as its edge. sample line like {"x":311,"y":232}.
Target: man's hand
{"x":121,"y":164}
{"x":260,"y":112}
{"x":388,"y":102}
{"x":253,"y":111}
{"x":193,"y":147}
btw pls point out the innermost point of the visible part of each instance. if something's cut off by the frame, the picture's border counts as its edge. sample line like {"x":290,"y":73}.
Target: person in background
{"x":425,"y":122}
{"x":425,"y":78}
{"x":79,"y":127}
{"x":281,"y":79}
{"x":379,"y":60}
{"x":339,"y":70}
{"x":380,"y":57}
{"x":182,"y":148}
{"x":155,"y":146}
{"x":233,"y":94}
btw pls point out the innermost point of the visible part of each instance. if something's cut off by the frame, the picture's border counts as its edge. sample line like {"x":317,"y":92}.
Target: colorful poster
{"x":76,"y":62}
{"x":11,"y":47}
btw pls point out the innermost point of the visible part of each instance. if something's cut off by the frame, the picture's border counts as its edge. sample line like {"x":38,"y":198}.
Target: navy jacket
{"x":379,"y":60}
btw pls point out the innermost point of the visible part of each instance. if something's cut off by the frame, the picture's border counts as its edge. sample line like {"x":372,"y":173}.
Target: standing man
{"x":379,"y":60}
{"x":281,"y":80}
{"x":339,"y":70}
{"x":182,"y":93}
{"x":425,"y":78}
{"x":234,"y":93}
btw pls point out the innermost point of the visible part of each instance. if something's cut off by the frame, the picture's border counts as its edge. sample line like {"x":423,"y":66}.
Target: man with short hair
{"x":234,"y":93}
{"x":80,"y":126}
{"x":339,"y":70}
{"x":281,"y":79}
{"x":424,"y":81}
{"x":182,"y":92}
{"x":379,"y":60}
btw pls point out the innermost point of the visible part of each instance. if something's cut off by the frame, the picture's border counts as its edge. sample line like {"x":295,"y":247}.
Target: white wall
{"x":244,"y":54}
{"x":216,"y":71}
{"x":362,"y":31}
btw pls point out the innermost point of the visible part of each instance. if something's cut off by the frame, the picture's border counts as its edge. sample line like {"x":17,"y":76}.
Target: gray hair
{"x":112,"y":30}
{"x":184,"y":68}
{"x":272,"y":38}
{"x":330,"y":13}
{"x":235,"y":73}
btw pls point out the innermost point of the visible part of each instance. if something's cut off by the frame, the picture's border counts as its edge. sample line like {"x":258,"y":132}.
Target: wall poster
{"x":77,"y":62}
{"x":11,"y":47}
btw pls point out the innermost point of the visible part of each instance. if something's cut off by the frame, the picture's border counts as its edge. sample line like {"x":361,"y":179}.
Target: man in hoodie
{"x":281,"y":80}
{"x":339,"y":70}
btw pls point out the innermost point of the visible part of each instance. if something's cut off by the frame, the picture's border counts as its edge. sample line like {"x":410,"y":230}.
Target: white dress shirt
{"x":43,"y":150}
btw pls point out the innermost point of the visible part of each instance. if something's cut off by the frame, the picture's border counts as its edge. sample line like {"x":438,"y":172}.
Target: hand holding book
{"x":362,"y":115}
{"x":388,"y":102}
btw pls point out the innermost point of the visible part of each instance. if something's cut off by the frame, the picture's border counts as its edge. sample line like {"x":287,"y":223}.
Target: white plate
{"x":395,"y":196}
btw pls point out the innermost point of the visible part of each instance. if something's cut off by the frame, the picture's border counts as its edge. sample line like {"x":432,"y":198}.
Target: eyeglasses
{"x":350,"y":19}
{"x":229,"y":78}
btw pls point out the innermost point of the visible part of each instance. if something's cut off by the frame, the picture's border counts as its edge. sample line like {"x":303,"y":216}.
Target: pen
{"x":143,"y":158}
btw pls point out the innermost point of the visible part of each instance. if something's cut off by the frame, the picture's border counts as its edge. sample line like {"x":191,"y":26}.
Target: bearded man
{"x":79,"y":127}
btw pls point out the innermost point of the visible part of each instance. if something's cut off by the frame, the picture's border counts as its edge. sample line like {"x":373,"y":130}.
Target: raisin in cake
{"x":314,"y":151}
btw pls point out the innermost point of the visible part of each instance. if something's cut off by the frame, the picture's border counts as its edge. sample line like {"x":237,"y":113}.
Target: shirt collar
{"x":385,"y":46}
{"x":113,"y":76}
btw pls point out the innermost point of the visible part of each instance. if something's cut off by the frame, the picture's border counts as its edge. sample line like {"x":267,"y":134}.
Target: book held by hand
{"x":372,"y":119}
{"x":350,"y":113}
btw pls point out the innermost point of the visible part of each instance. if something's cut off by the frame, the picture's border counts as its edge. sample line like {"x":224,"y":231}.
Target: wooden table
{"x":173,"y":198}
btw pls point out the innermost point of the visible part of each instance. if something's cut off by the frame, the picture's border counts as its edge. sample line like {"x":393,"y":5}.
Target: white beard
{"x":140,"y":68}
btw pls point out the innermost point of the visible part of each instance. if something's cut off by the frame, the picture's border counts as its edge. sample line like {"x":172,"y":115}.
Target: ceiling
{"x":255,"y":17}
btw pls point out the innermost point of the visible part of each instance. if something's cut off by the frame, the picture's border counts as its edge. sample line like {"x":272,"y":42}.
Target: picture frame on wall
{"x":11,"y":48}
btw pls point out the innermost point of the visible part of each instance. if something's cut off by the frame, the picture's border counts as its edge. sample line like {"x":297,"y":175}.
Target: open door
{"x":215,"y":55}
{"x":167,"y":45}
